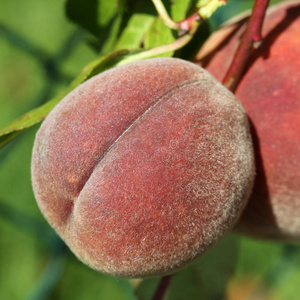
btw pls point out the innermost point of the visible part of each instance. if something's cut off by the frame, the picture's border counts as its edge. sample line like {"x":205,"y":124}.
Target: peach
{"x":269,"y":92}
{"x":144,"y":167}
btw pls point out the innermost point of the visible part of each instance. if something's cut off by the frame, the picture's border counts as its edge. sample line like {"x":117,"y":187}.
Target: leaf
{"x":95,"y":67}
{"x":38,"y":114}
{"x":147,"y":288}
{"x":159,"y":34}
{"x":179,"y":9}
{"x":215,"y":269}
{"x":133,"y":34}
{"x":81,"y":282}
{"x":256,"y":257}
{"x":101,"y":18}
{"x":141,"y":28}
{"x":91,"y":14}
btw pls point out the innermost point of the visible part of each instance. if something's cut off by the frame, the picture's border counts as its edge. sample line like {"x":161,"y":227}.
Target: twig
{"x":161,"y":10}
{"x":190,"y":24}
{"x":251,"y":39}
{"x":162,"y":287}
{"x":177,"y":44}
{"x":186,"y":27}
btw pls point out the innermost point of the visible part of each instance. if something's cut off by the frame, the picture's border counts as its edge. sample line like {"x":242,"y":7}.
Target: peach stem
{"x":249,"y":41}
{"x":162,"y":287}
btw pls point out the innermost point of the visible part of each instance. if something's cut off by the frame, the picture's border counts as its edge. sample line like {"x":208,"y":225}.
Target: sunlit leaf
{"x":133,"y":34}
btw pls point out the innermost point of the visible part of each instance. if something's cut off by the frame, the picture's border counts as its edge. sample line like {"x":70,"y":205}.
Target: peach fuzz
{"x":144,"y":167}
{"x":269,"y":92}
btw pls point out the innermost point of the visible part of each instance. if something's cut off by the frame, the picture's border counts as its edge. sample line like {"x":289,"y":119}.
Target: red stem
{"x":250,"y":38}
{"x":162,"y":287}
{"x":187,"y":24}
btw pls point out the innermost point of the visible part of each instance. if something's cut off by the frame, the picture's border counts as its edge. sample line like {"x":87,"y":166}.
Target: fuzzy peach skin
{"x":270,"y":94}
{"x":144,"y":167}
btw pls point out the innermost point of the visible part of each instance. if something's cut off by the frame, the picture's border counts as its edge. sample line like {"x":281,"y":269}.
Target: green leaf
{"x":147,"y":288}
{"x":101,"y":18}
{"x":216,"y":268}
{"x":80,"y":282}
{"x":95,"y":67}
{"x":287,"y":274}
{"x":179,"y":9}
{"x":38,"y":114}
{"x":133,"y":34}
{"x":159,"y":34}
{"x":256,"y":257}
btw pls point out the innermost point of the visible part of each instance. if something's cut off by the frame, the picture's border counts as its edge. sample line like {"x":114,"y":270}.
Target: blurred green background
{"x":41,"y":51}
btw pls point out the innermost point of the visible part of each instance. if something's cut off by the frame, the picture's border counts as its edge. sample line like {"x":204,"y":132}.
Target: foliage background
{"x":43,"y":46}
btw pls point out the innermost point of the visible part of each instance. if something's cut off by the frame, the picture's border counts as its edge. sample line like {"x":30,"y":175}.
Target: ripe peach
{"x":269,"y":92}
{"x":144,"y":167}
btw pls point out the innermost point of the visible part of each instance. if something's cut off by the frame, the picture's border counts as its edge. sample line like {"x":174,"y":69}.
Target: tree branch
{"x":251,"y":39}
